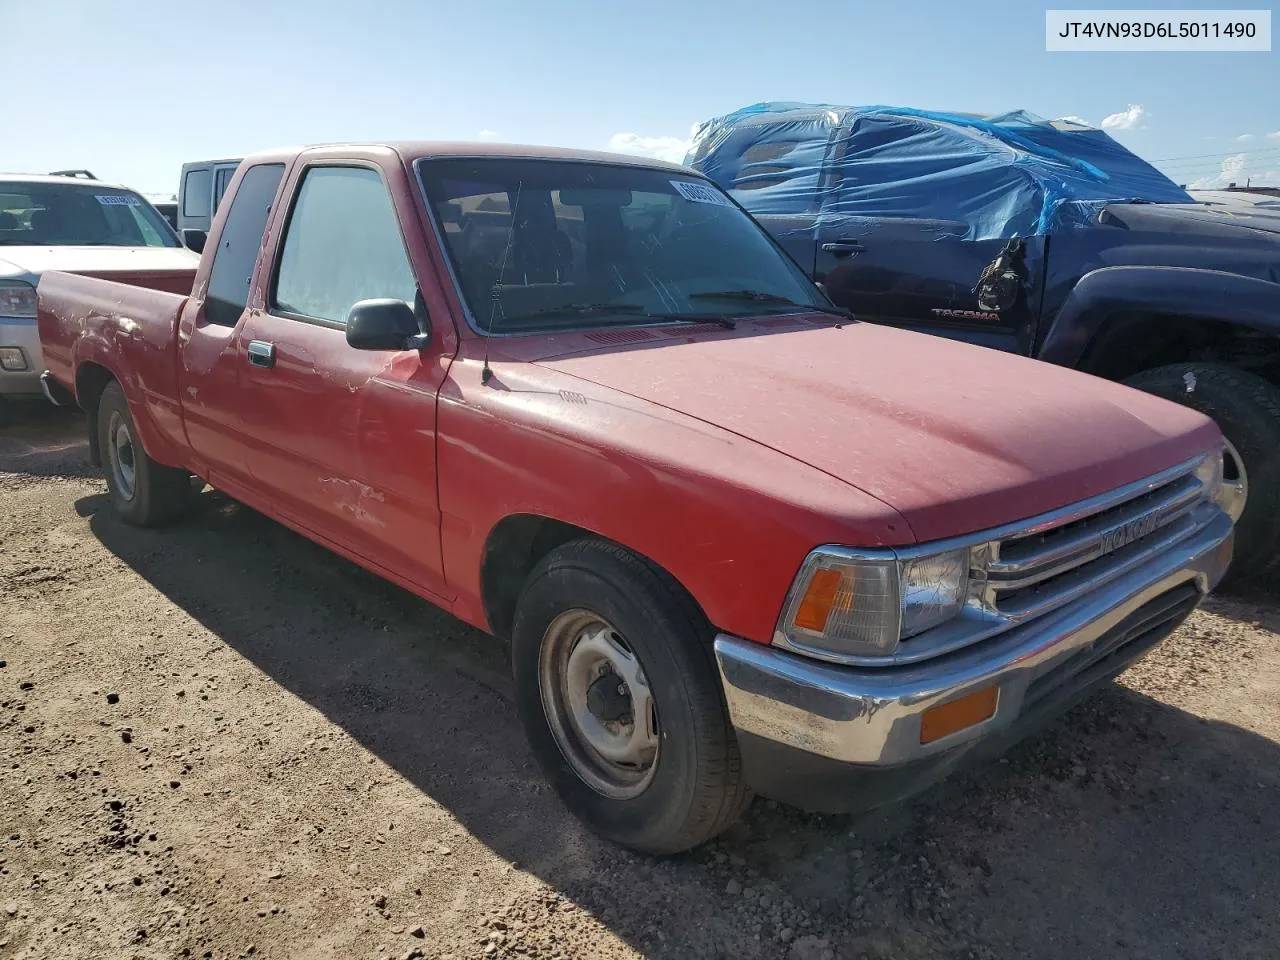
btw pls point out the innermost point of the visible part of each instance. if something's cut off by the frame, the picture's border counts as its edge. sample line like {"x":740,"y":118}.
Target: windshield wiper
{"x":760,"y":296}
{"x":717,"y":318}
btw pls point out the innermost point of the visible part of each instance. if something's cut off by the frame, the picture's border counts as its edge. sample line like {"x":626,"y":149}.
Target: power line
{"x":1202,"y":156}
{"x":1220,"y":156}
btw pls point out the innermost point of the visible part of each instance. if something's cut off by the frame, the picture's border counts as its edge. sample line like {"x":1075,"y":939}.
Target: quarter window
{"x":343,"y":245}
{"x":239,"y":243}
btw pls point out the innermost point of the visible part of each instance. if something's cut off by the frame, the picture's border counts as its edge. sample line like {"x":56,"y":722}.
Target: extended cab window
{"x":551,"y":244}
{"x":238,"y":246}
{"x":343,"y":245}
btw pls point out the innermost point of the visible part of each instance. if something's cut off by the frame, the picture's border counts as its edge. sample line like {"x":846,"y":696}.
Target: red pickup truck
{"x":737,"y":541}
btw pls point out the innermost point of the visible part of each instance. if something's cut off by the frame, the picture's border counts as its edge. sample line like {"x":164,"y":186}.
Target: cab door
{"x":211,"y":350}
{"x":923,"y":275}
{"x":343,"y":440}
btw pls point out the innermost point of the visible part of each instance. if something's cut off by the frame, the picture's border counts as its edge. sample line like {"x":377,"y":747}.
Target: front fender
{"x":1170,"y":291}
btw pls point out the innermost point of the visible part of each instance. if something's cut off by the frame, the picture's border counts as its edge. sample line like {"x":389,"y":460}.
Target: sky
{"x":133,"y":89}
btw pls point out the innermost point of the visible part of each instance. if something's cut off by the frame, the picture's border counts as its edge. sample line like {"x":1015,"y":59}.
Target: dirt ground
{"x":218,"y":740}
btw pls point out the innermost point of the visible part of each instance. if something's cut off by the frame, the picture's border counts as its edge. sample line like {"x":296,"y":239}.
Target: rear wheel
{"x":143,"y":492}
{"x":1247,"y":410}
{"x":620,"y":699}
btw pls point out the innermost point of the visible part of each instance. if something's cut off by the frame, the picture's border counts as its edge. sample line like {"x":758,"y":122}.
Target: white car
{"x":80,"y":226}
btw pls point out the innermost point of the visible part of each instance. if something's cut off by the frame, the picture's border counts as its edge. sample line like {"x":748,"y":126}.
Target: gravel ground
{"x":218,"y":740}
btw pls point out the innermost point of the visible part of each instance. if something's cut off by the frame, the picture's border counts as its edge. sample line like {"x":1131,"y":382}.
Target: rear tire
{"x":593,"y":610}
{"x":144,"y":493}
{"x":1247,"y":411}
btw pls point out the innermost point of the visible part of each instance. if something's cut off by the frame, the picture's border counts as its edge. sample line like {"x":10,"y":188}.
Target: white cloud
{"x":1240,"y":168}
{"x":487,"y":134}
{"x":1274,"y":136}
{"x":1129,"y":119}
{"x":1079,"y":120}
{"x":1245,"y":138}
{"x":672,"y":149}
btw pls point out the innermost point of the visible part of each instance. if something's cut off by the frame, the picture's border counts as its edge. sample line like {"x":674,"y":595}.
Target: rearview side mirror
{"x":194,"y":239}
{"x":384,"y":325}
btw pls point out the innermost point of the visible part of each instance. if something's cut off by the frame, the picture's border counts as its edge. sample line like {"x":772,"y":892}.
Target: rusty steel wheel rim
{"x":598,"y":704}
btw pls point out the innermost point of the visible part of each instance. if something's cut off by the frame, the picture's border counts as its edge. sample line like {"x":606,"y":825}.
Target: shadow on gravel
{"x":1130,"y":829}
{"x":46,"y":441}
{"x":1253,"y":603}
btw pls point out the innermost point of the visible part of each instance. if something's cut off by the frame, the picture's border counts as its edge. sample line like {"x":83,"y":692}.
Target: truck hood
{"x":956,"y":438}
{"x":95,"y":261}
{"x":1216,"y":213}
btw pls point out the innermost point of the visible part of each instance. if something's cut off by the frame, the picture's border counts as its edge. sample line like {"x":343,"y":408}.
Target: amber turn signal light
{"x":955,"y":715}
{"x":818,"y":599}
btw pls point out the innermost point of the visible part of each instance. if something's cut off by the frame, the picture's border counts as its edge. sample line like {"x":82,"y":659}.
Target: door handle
{"x":261,"y":354}
{"x":843,"y":248}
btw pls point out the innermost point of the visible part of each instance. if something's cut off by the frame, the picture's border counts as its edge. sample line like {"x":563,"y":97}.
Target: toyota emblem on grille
{"x":1127,"y":533}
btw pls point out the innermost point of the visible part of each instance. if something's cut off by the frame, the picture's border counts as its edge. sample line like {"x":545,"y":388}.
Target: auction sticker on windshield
{"x":700,"y":193}
{"x":116,"y":199}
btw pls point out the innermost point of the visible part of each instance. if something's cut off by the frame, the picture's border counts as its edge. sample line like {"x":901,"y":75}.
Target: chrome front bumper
{"x":870,"y":717}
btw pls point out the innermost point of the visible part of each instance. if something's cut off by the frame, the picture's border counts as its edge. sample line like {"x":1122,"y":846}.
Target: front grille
{"x":1027,"y":570}
{"x":1029,"y":574}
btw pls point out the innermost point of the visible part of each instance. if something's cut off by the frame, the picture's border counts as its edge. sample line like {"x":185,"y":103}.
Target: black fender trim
{"x":1173,"y":291}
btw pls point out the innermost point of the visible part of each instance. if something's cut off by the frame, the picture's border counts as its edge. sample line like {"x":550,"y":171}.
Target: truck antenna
{"x":486,"y":374}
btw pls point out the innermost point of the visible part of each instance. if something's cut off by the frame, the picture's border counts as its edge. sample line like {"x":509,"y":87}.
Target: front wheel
{"x":620,"y":699}
{"x":1247,"y":411}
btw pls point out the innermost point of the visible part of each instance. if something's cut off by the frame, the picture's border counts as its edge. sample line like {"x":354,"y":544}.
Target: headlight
{"x":842,"y":606}
{"x":17,"y":299}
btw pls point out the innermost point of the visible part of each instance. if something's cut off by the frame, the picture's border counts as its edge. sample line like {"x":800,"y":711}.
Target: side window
{"x":239,"y":243}
{"x":195,"y":193}
{"x":767,"y":165}
{"x":221,"y":180}
{"x":342,"y":246}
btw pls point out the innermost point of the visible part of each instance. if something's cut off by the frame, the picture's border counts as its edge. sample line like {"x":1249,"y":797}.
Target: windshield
{"x":551,"y":245}
{"x":78,"y":214}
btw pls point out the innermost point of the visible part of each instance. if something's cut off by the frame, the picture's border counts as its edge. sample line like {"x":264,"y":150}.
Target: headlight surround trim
{"x":873,"y":604}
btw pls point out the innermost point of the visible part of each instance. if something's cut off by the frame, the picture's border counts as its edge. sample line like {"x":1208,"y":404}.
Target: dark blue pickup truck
{"x":1043,"y":238}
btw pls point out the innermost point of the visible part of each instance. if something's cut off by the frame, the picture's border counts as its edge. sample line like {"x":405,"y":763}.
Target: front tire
{"x":144,"y":493}
{"x":618,"y":692}
{"x":1247,"y":411}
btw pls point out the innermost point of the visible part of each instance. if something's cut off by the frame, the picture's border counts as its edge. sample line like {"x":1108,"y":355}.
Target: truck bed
{"x":94,"y":327}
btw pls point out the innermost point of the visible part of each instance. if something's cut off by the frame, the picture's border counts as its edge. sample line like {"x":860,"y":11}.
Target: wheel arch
{"x":515,"y":545}
{"x":1119,"y":320}
{"x":91,"y":380}
{"x":93,"y":372}
{"x":1131,"y":341}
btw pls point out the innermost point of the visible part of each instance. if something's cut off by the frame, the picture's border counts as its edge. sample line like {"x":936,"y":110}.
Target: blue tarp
{"x":1002,"y":176}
